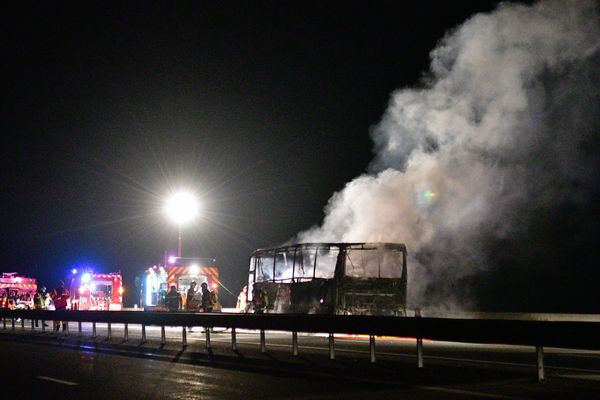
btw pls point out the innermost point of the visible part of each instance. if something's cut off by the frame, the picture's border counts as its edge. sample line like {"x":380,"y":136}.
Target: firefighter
{"x":242,"y":299}
{"x":207,"y":298}
{"x":11,"y":303}
{"x":60,"y":297}
{"x":173,"y":299}
{"x":39,"y":302}
{"x":191,"y":302}
{"x":3,"y":300}
{"x":260,"y":301}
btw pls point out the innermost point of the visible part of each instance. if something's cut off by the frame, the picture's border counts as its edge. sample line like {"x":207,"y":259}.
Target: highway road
{"x":49,"y":365}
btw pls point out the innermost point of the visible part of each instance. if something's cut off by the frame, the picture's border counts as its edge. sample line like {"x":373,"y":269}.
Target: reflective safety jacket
{"x":38,"y":301}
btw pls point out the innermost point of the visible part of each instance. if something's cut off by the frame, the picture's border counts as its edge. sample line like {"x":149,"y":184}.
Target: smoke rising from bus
{"x":472,"y":166}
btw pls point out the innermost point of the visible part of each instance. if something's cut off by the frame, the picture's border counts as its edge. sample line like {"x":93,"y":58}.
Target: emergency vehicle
{"x":180,"y":272}
{"x":95,"y":291}
{"x":16,"y":291}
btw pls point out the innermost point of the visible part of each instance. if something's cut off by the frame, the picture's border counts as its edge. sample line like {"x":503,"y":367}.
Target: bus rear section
{"x":330,"y":278}
{"x":181,"y":272}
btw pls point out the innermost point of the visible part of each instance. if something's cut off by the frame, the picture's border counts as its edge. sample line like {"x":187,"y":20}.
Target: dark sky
{"x":262,"y":108}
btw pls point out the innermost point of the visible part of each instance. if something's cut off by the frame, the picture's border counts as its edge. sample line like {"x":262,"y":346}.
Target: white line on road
{"x":468,"y":392}
{"x":590,"y":377}
{"x":56,"y":380}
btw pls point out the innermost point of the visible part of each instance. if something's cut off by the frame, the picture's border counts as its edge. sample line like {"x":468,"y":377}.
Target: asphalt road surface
{"x":49,"y":365}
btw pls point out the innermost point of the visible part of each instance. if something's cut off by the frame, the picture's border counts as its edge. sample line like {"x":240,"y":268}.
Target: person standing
{"x":39,"y":303}
{"x":60,"y":297}
{"x":242,"y":299}
{"x":173,"y":299}
{"x":260,"y":301}
{"x":191,"y":301}
{"x":207,"y":303}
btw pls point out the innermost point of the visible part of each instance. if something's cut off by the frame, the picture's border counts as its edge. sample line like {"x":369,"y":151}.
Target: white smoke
{"x":495,"y":131}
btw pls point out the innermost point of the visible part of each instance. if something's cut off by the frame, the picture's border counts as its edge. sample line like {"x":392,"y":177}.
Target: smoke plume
{"x":488,"y":170}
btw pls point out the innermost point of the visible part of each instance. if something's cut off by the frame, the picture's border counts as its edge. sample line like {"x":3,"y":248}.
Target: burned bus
{"x":330,"y":278}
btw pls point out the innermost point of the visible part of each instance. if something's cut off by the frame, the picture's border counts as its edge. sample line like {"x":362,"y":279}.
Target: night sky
{"x":262,"y":108}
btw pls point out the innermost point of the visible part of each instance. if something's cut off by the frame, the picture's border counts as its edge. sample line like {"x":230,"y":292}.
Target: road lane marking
{"x":590,"y":377}
{"x":468,"y":392}
{"x":56,"y":380}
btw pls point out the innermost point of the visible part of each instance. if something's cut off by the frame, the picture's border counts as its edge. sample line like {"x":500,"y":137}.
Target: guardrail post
{"x":233,"y":340}
{"x":163,"y":337}
{"x":331,"y":347}
{"x":207,"y":332}
{"x":66,"y":327}
{"x":126,"y":332}
{"x":263,"y":344}
{"x":94,"y":329}
{"x":22,"y":324}
{"x":32,"y":327}
{"x":295,"y":343}
{"x":540,"y":363}
{"x":183,"y":336}
{"x":109,"y":331}
{"x":13,"y":324}
{"x":143,"y":333}
{"x":79,"y":330}
{"x":43,"y":325}
{"x":420,"y":363}
{"x":4,"y":323}
{"x":372,"y":348}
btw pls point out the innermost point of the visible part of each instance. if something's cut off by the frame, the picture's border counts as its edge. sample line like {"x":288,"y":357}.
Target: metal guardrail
{"x":540,"y":334}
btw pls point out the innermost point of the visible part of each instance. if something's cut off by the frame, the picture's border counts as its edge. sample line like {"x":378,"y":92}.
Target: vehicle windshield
{"x":374,"y":262}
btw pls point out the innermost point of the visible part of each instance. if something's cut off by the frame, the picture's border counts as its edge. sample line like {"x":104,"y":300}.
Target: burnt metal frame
{"x":318,"y":246}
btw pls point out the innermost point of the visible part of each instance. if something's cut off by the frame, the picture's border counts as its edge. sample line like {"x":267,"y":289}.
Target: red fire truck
{"x":180,"y":272}
{"x":16,"y":291}
{"x":95,"y":291}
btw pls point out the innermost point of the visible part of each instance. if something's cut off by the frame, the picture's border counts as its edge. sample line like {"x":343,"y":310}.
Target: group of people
{"x":57,"y":299}
{"x":259,"y":303}
{"x":14,"y":300}
{"x":203,"y":300}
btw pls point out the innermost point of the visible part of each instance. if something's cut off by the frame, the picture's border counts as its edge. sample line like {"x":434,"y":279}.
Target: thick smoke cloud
{"x":488,"y":172}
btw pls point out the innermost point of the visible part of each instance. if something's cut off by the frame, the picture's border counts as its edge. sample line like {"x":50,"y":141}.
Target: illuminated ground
{"x":71,"y":367}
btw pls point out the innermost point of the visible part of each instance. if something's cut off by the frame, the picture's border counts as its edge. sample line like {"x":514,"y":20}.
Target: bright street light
{"x":181,"y":208}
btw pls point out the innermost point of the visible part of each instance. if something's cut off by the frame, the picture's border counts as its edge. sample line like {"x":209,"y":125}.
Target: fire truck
{"x":96,"y":291}
{"x":16,"y":291}
{"x":180,"y":272}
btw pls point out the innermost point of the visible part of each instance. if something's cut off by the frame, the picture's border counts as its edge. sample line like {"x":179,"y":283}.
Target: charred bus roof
{"x":328,"y":245}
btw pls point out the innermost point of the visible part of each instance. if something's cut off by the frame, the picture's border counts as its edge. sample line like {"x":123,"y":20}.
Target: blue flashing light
{"x":74,"y":271}
{"x":86,"y":278}
{"x":149,"y":290}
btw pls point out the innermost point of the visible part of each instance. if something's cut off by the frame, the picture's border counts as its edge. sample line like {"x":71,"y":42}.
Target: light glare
{"x":182,"y":207}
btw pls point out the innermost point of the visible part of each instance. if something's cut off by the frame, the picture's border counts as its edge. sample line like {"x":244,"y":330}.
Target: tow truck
{"x":178,"y":271}
{"x":96,"y":291}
